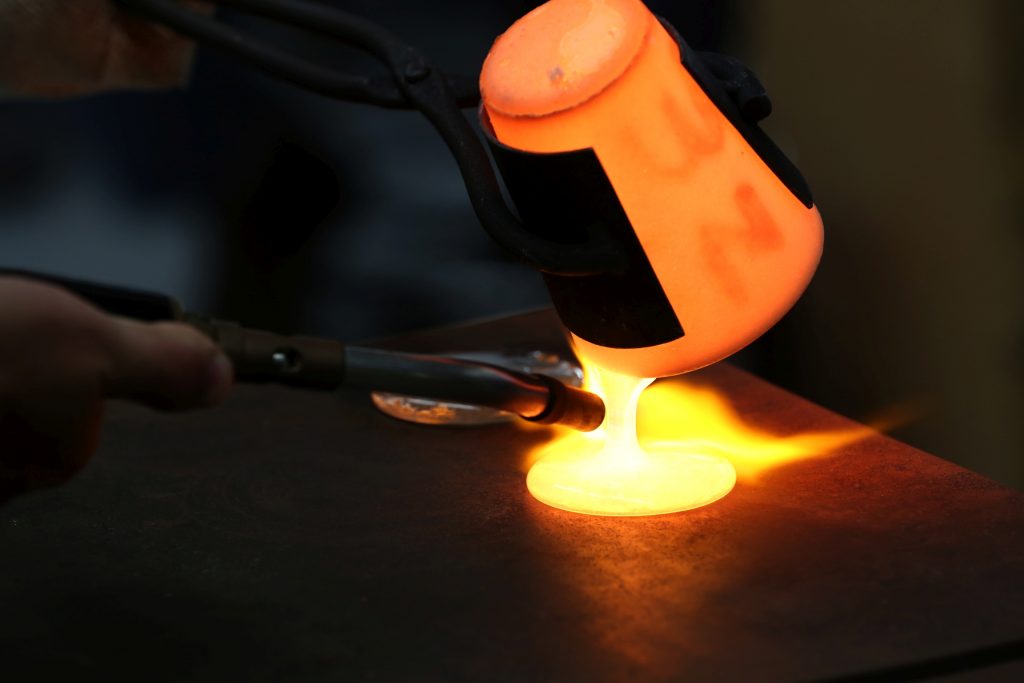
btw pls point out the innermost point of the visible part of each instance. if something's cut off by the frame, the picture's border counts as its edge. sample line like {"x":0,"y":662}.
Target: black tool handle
{"x":121,"y":301}
{"x":414,"y":84}
{"x":258,"y":356}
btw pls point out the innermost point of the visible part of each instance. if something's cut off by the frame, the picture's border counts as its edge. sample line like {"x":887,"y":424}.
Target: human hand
{"x":57,"y":48}
{"x":60,"y":358}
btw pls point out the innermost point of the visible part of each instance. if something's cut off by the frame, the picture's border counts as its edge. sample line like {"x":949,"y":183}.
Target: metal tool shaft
{"x":326,"y":364}
{"x":536,"y":398}
{"x":456,"y":380}
{"x":317,"y":363}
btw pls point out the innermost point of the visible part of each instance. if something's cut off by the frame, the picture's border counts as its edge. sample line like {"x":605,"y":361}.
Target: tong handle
{"x":413,"y":84}
{"x":121,"y":301}
{"x":258,"y":356}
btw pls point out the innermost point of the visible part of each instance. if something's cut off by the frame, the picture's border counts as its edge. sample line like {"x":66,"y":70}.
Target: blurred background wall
{"x":257,"y":202}
{"x":905,"y":117}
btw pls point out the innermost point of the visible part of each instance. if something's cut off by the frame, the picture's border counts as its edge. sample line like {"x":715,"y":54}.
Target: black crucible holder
{"x":567,"y":197}
{"x":571,"y":225}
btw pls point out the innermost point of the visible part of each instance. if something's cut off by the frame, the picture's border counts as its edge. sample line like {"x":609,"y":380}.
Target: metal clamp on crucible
{"x":599,"y":114}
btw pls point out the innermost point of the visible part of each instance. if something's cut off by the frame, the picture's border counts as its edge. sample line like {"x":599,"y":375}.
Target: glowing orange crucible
{"x":728,"y":234}
{"x":721,"y":231}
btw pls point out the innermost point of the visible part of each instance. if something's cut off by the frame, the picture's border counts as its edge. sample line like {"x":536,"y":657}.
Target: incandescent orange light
{"x":608,"y":472}
{"x":679,"y":446}
{"x":724,"y":236}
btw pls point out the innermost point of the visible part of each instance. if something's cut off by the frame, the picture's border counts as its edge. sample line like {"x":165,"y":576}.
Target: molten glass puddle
{"x":690,"y":448}
{"x":608,"y":473}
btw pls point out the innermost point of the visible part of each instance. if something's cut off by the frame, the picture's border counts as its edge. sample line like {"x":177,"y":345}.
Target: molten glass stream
{"x":608,"y":473}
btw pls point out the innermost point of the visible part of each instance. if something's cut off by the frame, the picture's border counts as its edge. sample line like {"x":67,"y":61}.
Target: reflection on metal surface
{"x":435,"y":412}
{"x":683,"y":448}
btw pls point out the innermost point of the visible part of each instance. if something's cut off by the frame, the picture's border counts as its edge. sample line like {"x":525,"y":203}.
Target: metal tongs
{"x":316,"y":363}
{"x":411,"y":83}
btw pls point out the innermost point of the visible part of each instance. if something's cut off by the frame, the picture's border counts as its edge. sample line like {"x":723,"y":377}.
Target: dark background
{"x":257,"y":202}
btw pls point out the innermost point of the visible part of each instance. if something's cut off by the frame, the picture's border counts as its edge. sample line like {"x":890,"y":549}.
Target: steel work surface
{"x":291,"y":535}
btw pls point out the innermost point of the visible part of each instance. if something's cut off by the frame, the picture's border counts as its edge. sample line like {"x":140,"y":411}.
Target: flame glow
{"x":683,"y":448}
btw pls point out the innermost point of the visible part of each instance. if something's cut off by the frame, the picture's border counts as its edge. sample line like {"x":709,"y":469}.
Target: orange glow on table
{"x":684,"y":446}
{"x":731,"y":246}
